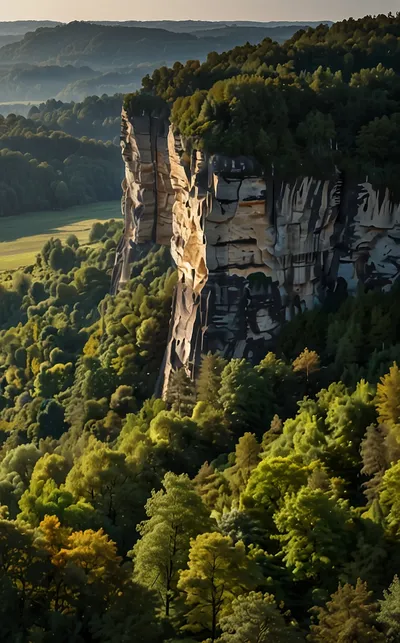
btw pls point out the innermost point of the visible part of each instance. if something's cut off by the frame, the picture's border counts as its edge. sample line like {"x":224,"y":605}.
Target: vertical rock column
{"x":188,"y":249}
{"x":147,"y":191}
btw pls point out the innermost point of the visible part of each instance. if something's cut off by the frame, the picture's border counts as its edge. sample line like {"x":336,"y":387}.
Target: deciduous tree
{"x":218,"y":571}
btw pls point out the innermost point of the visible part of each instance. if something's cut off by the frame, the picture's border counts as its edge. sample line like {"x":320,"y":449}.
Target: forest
{"x":107,"y":46}
{"x":257,"y":503}
{"x":326,"y":100}
{"x":70,"y":62}
{"x":97,"y":117}
{"x":44,"y":168}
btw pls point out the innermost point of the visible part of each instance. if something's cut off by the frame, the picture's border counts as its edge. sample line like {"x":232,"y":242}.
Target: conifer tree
{"x":244,"y":397}
{"x":375,"y":460}
{"x":247,"y":456}
{"x":208,"y":382}
{"x":307,"y":362}
{"x":181,"y":393}
{"x":349,"y":617}
{"x":388,"y":397}
{"x":389,"y":614}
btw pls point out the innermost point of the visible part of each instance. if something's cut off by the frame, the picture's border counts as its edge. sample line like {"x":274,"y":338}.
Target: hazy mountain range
{"x":21,"y":27}
{"x":40,"y":60}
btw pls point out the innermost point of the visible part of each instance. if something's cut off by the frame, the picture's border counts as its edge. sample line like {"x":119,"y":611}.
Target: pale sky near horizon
{"x":261,"y":10}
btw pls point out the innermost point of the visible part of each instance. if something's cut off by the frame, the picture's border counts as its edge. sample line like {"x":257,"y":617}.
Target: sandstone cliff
{"x":251,"y":250}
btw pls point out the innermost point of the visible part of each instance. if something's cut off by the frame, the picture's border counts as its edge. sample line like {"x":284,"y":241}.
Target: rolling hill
{"x":109,"y":46}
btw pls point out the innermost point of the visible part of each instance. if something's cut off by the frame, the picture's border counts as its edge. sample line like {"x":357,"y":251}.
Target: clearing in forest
{"x":22,"y":236}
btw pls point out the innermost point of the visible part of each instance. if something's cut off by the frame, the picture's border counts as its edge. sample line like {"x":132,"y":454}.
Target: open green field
{"x":22,"y":236}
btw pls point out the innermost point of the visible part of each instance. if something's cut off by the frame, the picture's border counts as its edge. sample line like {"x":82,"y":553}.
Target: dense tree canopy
{"x":256,"y":490}
{"x":42,"y":167}
{"x":325,"y":100}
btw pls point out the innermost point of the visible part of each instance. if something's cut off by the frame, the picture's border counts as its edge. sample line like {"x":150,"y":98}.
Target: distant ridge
{"x":107,"y":46}
{"x":21,"y":27}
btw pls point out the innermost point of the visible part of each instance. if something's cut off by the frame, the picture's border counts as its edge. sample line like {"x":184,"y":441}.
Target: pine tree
{"x":208,"y":383}
{"x":181,"y":393}
{"x":388,"y":397}
{"x":375,"y":460}
{"x":389,"y":615}
{"x":247,"y":456}
{"x":244,"y":398}
{"x":349,"y":617}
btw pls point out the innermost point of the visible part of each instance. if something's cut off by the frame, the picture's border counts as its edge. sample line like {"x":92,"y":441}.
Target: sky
{"x":261,"y":10}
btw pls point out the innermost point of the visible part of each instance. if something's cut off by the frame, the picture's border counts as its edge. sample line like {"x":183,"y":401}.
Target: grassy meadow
{"x":22,"y":236}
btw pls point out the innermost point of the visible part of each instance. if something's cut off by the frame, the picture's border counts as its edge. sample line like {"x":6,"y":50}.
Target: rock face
{"x":251,"y":250}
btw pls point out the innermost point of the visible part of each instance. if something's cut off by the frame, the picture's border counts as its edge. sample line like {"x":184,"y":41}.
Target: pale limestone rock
{"x":250,"y":250}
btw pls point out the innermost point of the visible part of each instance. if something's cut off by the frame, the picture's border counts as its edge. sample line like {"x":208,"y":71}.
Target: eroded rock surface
{"x":251,"y":250}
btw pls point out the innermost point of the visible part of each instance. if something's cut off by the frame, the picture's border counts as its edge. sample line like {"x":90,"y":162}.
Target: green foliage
{"x":326,"y":99}
{"x":58,"y":169}
{"x":388,"y":397}
{"x":82,"y":444}
{"x":242,"y":397}
{"x":175,"y":515}
{"x":315,"y":532}
{"x":349,"y":617}
{"x":64,"y":568}
{"x":272,"y":479}
{"x":389,"y":614}
{"x":208,"y":381}
{"x":181,"y":394}
{"x":256,"y":617}
{"x":218,"y":571}
{"x":96,"y":232}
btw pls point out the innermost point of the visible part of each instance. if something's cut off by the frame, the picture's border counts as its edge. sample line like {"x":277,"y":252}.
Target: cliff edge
{"x":251,"y":250}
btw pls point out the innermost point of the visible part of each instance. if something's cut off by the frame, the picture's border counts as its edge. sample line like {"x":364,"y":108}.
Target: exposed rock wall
{"x":148,"y":196}
{"x":251,"y":250}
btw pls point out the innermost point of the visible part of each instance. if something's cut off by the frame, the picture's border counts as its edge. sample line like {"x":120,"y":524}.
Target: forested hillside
{"x":95,"y":117}
{"x":36,"y":82}
{"x":72,"y":61}
{"x":107,"y":46}
{"x":44,"y":168}
{"x":327,"y":99}
{"x":259,"y":490}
